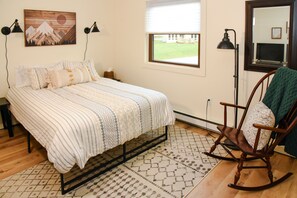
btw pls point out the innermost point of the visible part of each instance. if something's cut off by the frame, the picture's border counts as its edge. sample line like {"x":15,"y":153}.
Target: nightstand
{"x":110,"y":74}
{"x":6,"y":117}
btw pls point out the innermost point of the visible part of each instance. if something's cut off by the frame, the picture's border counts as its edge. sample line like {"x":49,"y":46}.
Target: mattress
{"x":77,"y":122}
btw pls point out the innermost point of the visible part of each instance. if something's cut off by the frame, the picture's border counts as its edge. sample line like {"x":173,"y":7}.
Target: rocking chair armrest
{"x":225,"y":110}
{"x":278,"y":130}
{"x":232,"y":105}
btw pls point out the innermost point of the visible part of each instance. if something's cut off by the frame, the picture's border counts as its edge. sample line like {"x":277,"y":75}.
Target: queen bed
{"x":81,"y":120}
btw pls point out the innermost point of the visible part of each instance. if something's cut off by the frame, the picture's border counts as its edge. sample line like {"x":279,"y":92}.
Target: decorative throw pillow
{"x":38,"y":78}
{"x":39,"y":75}
{"x":88,"y":63}
{"x":66,"y":77}
{"x":259,"y":114}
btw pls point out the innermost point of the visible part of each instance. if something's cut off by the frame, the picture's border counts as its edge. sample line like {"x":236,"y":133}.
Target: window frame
{"x":151,"y":51}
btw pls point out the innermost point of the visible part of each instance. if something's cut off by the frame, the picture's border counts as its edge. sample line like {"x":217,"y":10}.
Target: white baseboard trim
{"x":199,"y":122}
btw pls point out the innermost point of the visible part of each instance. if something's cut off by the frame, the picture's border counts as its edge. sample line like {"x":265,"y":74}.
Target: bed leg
{"x":62,"y":184}
{"x":29,"y":142}
{"x":124,"y":152}
{"x":166,"y":132}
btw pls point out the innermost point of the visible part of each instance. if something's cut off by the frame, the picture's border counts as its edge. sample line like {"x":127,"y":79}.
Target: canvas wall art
{"x":46,"y":28}
{"x":276,"y":33}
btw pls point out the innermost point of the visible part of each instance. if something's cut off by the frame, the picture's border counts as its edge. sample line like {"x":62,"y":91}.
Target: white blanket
{"x":80,"y":121}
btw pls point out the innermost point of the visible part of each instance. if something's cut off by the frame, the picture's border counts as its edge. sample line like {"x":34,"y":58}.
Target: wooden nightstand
{"x":110,"y":74}
{"x":6,"y":117}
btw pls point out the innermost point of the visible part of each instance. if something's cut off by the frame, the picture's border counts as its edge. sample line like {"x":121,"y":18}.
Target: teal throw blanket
{"x":280,"y":97}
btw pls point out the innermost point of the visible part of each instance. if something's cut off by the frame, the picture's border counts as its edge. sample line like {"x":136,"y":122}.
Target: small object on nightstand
{"x":6,"y":117}
{"x":110,"y":74}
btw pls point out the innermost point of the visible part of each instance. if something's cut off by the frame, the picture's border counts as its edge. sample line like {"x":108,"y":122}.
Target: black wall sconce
{"x":16,"y":29}
{"x":6,"y":31}
{"x":87,"y":30}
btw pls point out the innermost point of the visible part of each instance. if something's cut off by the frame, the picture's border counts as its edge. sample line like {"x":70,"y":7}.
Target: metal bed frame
{"x":107,"y":161}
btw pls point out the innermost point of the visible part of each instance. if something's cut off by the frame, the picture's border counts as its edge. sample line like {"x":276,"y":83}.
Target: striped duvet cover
{"x":80,"y":121}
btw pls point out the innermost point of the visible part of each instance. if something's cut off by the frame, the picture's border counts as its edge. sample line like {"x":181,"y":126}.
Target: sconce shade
{"x":95,"y":28}
{"x":225,"y":43}
{"x":16,"y":28}
{"x":87,"y":30}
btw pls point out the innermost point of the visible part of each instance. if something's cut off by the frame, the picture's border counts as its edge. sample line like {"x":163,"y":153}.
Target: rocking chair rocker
{"x":284,"y":126}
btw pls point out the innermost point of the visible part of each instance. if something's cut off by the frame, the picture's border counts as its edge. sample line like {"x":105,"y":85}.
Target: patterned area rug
{"x":171,"y":169}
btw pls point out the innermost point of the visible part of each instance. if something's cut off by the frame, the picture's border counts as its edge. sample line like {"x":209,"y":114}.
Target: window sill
{"x":193,"y":71}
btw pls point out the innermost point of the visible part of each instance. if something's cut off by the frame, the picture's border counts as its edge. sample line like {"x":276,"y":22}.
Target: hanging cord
{"x":6,"y":66}
{"x":86,"y":47}
{"x":206,"y":120}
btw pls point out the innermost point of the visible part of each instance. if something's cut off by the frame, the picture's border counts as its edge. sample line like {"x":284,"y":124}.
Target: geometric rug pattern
{"x":170,"y":169}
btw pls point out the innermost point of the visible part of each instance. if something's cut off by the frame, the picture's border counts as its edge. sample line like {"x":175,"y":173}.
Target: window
{"x":178,"y":49}
{"x":173,"y":28}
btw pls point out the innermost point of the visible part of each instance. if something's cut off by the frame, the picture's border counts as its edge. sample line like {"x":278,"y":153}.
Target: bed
{"x":76,"y":122}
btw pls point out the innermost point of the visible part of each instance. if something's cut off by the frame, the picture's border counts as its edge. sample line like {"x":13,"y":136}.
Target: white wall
{"x":100,"y":47}
{"x":187,"y":89}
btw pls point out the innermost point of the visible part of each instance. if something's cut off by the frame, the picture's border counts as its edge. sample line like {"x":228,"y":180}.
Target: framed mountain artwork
{"x":46,"y":28}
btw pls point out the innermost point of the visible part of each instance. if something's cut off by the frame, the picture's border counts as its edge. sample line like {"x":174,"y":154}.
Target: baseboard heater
{"x":196,"y":121}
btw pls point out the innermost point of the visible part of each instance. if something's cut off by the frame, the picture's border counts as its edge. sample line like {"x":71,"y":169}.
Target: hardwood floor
{"x":15,"y":158}
{"x":215,"y":183}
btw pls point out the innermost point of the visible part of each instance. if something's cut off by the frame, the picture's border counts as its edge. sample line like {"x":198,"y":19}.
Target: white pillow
{"x":259,"y":114}
{"x":24,"y":76}
{"x":66,"y":77}
{"x":36,"y":75}
{"x":88,"y":63}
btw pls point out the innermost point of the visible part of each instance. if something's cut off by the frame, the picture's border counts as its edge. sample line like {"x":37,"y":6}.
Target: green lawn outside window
{"x":164,"y":51}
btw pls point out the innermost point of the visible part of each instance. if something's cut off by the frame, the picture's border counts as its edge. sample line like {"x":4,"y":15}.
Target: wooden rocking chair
{"x":237,"y":137}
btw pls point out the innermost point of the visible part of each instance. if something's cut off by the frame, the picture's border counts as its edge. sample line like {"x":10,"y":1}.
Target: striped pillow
{"x":88,"y":63}
{"x":66,"y":77}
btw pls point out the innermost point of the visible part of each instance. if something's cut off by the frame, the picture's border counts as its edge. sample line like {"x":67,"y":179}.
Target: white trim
{"x":193,"y":71}
{"x":202,"y":124}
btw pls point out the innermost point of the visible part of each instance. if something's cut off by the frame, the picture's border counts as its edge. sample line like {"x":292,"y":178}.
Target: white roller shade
{"x":173,"y":16}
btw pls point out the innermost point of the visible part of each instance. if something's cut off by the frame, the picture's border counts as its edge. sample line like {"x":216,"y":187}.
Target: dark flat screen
{"x":270,"y":52}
